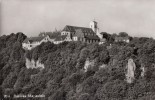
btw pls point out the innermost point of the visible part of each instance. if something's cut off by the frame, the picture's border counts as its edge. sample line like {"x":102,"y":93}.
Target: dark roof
{"x":34,"y":39}
{"x":53,"y":35}
{"x":60,"y":38}
{"x":75,"y":28}
{"x":95,"y":37}
{"x":79,"y":33}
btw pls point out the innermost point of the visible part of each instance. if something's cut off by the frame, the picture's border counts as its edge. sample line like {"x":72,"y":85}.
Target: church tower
{"x":94,"y":27}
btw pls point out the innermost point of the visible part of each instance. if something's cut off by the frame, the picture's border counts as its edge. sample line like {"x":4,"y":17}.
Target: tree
{"x":105,"y":35}
{"x":112,"y":90}
{"x":123,"y":34}
{"x":20,"y":37}
{"x":58,"y":95}
{"x":104,"y":57}
{"x":84,"y":96}
{"x":102,"y":75}
{"x":90,"y":85}
{"x":9,"y":80}
{"x":108,"y":37}
{"x":74,"y":79}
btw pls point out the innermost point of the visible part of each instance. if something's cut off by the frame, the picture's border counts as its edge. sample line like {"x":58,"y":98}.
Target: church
{"x":84,"y":34}
{"x":69,"y":33}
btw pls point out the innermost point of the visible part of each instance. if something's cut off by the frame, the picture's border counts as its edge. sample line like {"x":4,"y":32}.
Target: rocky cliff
{"x":34,"y":64}
{"x":130,"y":75}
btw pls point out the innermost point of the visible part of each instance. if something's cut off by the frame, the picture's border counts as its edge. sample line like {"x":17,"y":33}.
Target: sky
{"x":136,"y":17}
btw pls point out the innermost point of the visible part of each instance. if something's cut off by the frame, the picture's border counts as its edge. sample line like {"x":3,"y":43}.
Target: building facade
{"x":122,"y":39}
{"x":84,"y":34}
{"x":32,"y":42}
{"x":69,"y":33}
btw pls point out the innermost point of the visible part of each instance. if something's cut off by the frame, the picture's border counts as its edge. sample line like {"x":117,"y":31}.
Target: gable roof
{"x":61,"y":38}
{"x":79,"y":33}
{"x":34,"y":39}
{"x":75,"y":28}
{"x":53,"y":35}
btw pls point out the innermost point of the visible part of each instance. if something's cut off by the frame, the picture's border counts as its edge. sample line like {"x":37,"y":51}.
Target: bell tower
{"x":93,"y":26}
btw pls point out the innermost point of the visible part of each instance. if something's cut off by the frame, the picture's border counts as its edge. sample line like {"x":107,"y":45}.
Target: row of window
{"x":75,"y":38}
{"x":82,"y":39}
{"x":89,"y":34}
{"x":91,"y":41}
{"x":122,"y":40}
{"x":66,"y":33}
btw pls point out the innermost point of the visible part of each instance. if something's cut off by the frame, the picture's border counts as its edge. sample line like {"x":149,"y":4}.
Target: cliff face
{"x":34,"y":64}
{"x":88,"y":64}
{"x":143,"y":70}
{"x":130,"y":75}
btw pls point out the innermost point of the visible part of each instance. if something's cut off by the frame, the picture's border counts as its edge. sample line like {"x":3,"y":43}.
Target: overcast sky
{"x":136,"y":17}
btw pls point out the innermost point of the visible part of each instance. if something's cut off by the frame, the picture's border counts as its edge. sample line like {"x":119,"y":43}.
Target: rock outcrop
{"x":34,"y":64}
{"x":143,"y":70}
{"x":102,"y":66}
{"x":130,"y":75}
{"x":88,"y":64}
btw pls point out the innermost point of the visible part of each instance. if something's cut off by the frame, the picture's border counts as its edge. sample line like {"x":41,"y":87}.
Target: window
{"x":75,"y":38}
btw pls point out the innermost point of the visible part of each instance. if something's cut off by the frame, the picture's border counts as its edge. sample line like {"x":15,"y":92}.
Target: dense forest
{"x":64,"y":76}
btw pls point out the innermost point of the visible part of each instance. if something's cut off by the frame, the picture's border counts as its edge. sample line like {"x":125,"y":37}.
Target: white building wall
{"x":93,"y":26}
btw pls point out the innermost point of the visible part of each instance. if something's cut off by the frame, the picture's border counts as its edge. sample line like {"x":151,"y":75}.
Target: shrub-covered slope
{"x":64,"y":76}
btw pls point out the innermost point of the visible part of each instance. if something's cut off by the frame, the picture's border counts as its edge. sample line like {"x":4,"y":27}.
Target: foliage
{"x":63,"y":77}
{"x":123,"y":34}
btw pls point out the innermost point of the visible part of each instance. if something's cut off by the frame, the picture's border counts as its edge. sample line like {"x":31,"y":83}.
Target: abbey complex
{"x":70,"y":33}
{"x":92,"y":65}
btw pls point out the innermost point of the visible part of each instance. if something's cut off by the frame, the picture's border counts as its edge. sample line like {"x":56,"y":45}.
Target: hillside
{"x":77,"y":71}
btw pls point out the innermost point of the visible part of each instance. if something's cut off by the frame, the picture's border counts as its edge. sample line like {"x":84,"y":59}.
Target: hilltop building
{"x":122,"y":39}
{"x":84,"y":34}
{"x":69,"y":33}
{"x":32,"y":42}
